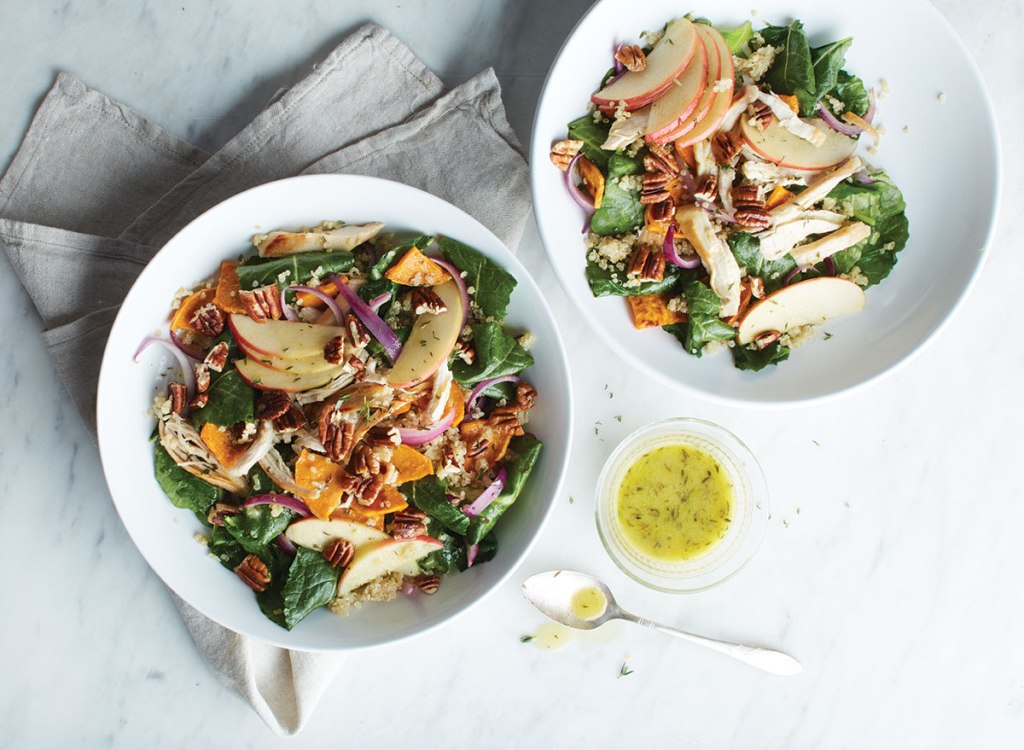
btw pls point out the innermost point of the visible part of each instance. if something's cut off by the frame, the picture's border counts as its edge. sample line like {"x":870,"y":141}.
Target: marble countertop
{"x":891,"y":567}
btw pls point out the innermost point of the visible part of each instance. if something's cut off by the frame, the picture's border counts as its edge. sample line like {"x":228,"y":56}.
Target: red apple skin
{"x":610,"y":104}
{"x":244,"y":344}
{"x":723,"y":99}
{"x":701,"y":58}
{"x":707,"y":99}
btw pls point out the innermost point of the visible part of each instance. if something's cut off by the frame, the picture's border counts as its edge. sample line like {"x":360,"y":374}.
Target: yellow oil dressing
{"x":588,"y":603}
{"x":674,"y":503}
{"x":551,"y":636}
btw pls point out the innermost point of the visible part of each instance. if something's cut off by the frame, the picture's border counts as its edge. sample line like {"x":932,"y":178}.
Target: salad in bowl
{"x":721,"y":188}
{"x":349,"y":414}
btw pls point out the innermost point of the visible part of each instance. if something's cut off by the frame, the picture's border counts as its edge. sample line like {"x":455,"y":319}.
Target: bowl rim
{"x":627,"y":354}
{"x":106,"y":443}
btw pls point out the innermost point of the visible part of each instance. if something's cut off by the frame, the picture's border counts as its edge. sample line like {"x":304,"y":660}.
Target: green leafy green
{"x":231,"y":401}
{"x":621,"y":210}
{"x":497,"y":354}
{"x":750,"y":358}
{"x":593,"y":135}
{"x":389,"y":258}
{"x":311,"y":583}
{"x":260,"y":482}
{"x":737,"y":39}
{"x":296,"y":269}
{"x":881,"y":206}
{"x":451,"y":555}
{"x":271,"y":600}
{"x":850,"y":90}
{"x":430,"y":495}
{"x":375,"y":288}
{"x":183,"y":489}
{"x":828,"y":60}
{"x":375,"y":350}
{"x":746,"y":248}
{"x":525,"y":449}
{"x":256,"y":526}
{"x":491,"y":283}
{"x":486,"y":549}
{"x":703,"y":324}
{"x":611,"y":282}
{"x":225,"y":548}
{"x":792,"y":72}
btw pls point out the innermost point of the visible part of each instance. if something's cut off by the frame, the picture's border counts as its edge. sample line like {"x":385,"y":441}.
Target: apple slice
{"x":294,"y":365}
{"x":666,"y":62}
{"x":386,"y":556}
{"x":312,"y":533}
{"x":709,"y":123}
{"x":265,"y":378}
{"x":779,"y":146}
{"x":281,"y":338}
{"x":805,"y":303}
{"x":430,"y":341}
{"x":670,"y":109}
{"x":707,"y":96}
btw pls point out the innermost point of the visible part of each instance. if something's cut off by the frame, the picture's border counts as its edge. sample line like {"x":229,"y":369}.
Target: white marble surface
{"x":893,"y":562}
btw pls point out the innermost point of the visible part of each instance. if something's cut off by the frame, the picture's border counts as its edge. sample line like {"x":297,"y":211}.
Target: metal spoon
{"x":552,"y":594}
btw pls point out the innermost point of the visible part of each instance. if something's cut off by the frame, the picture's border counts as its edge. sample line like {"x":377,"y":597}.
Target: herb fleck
{"x":625,"y":670}
{"x":526,"y":638}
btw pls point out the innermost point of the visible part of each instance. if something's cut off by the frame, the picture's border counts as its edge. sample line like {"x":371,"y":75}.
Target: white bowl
{"x":947,"y":165}
{"x":164,"y":534}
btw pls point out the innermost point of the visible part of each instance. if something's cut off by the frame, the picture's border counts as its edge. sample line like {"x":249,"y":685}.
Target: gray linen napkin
{"x":95,"y":189}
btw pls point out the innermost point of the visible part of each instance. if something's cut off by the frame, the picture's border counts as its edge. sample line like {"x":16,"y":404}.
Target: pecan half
{"x":262,"y":304}
{"x":747,"y":196}
{"x":202,"y":377}
{"x":526,"y":395}
{"x":291,"y":420}
{"x":364,"y":461}
{"x":339,"y":553}
{"x":655,"y":196}
{"x":507,"y":417}
{"x":476,"y":448}
{"x":218,"y":511}
{"x":657,"y":164}
{"x":217,"y":358}
{"x":380,"y":436}
{"x":465,"y":351}
{"x":336,"y":434}
{"x":254,"y":572}
{"x":766,"y":339}
{"x":357,"y":333}
{"x":632,"y":57}
{"x":646,"y":264}
{"x":707,"y":188}
{"x":178,"y":395}
{"x":199,"y":401}
{"x":562,"y":152}
{"x":208,"y":320}
{"x":404,"y":526}
{"x":654,"y":181}
{"x":425,"y":300}
{"x":756,"y":286}
{"x":753,"y":218}
{"x":272,"y":404}
{"x":369,"y":489}
{"x":428,"y":584}
{"x":661,"y":211}
{"x":357,"y":366}
{"x":724,"y":147}
{"x":760,"y":114}
{"x":334,"y":350}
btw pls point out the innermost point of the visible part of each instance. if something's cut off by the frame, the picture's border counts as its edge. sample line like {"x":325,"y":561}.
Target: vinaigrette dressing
{"x":588,"y":603}
{"x":674,"y":503}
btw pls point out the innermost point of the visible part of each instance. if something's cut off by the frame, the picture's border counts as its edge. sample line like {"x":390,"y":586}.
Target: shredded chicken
{"x":183,"y":444}
{"x":625,"y":130}
{"x":841,"y":239}
{"x":789,"y":120}
{"x":439,"y":395}
{"x":737,"y":108}
{"x":818,"y":189}
{"x":782,"y":238}
{"x":696,"y":227}
{"x":327,"y":236}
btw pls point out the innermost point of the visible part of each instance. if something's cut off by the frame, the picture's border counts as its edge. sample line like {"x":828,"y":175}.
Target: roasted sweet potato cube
{"x":650,"y":310}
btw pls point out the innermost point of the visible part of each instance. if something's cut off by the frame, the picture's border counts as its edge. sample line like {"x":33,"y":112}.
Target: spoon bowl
{"x":583,"y":602}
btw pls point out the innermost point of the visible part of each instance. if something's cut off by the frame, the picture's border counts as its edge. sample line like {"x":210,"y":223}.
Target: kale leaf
{"x":256,"y":526}
{"x":850,"y":90}
{"x":497,"y":354}
{"x":750,"y":358}
{"x":430,"y":495}
{"x":828,"y":60}
{"x":256,"y":272}
{"x":312,"y":583}
{"x":792,"y":72}
{"x":183,"y":489}
{"x":526,"y":449}
{"x":881,"y":206}
{"x":225,"y":548}
{"x":593,"y":135}
{"x":231,"y":401}
{"x":451,"y":555}
{"x":746,"y":248}
{"x":491,"y":283}
{"x":621,"y":210}
{"x":702,"y":322}
{"x":611,"y":282}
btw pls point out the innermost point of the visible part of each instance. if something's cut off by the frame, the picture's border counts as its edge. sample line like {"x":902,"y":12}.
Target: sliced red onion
{"x":274,"y":498}
{"x":323,"y":297}
{"x":286,"y":309}
{"x":689,"y":183}
{"x":582,"y":200}
{"x":673,"y":256}
{"x":794,"y":273}
{"x":870,"y":114}
{"x":371,"y":320}
{"x":187,"y":373}
{"x":619,"y":67}
{"x":830,"y":266}
{"x":286,"y":545}
{"x":192,"y":351}
{"x":483,"y":385}
{"x":416,"y":438}
{"x":717,"y":213}
{"x":489,"y":495}
{"x":836,"y":124}
{"x":380,"y":299}
{"x":586,"y":224}
{"x":460,"y":282}
{"x":864,"y":178}
{"x":471,"y":552}
{"x":408,"y":588}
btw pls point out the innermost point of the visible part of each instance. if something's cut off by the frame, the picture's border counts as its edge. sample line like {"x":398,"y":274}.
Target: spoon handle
{"x":774,"y":662}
